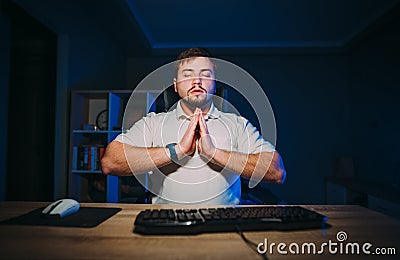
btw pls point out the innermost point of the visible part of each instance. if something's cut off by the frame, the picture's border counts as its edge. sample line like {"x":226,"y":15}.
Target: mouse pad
{"x":86,"y":217}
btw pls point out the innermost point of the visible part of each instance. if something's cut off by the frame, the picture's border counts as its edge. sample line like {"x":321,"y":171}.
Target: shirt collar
{"x":213,"y":113}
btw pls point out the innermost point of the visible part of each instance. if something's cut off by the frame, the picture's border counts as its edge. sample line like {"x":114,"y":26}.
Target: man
{"x":195,"y":153}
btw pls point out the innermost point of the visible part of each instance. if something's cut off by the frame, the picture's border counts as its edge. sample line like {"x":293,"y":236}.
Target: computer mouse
{"x":61,"y":208}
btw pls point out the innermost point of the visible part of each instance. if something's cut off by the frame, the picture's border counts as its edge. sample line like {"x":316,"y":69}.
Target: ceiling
{"x":158,"y":27}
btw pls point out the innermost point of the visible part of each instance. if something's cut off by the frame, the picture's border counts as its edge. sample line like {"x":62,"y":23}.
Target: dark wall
{"x":31,"y":103}
{"x":4,"y":81}
{"x":375,"y":85}
{"x":95,"y":61}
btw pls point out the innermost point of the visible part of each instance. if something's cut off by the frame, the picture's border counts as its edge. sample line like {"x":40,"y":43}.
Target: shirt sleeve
{"x":140,"y":134}
{"x":249,"y":139}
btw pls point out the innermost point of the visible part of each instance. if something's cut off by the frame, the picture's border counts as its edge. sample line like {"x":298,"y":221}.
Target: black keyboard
{"x":204,"y":220}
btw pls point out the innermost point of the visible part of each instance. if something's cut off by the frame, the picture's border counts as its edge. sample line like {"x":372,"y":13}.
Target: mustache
{"x":198,"y":86}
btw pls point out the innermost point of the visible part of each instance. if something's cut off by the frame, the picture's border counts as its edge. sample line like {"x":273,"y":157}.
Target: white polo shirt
{"x":194,"y":179}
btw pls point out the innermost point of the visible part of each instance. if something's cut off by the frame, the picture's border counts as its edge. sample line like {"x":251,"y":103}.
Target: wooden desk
{"x":114,"y":239}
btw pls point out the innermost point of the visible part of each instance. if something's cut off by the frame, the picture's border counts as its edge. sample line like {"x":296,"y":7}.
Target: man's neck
{"x":189,"y":110}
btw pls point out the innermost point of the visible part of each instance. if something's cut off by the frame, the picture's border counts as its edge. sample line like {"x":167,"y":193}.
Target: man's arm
{"x":264,"y":166}
{"x":124,"y":160}
{"x":140,"y":160}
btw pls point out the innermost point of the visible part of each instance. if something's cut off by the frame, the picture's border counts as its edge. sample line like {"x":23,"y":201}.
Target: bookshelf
{"x":96,"y":118}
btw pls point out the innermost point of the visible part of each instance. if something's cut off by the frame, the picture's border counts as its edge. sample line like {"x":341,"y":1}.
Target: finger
{"x":193,"y":118}
{"x":203,"y":125}
{"x":193,"y":123}
{"x":198,"y":112}
{"x":196,"y":119}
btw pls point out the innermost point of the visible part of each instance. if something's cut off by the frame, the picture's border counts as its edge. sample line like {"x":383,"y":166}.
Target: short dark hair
{"x":189,"y":54}
{"x":193,"y":52}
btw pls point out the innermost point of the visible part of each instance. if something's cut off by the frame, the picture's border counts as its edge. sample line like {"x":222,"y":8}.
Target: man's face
{"x":195,"y":82}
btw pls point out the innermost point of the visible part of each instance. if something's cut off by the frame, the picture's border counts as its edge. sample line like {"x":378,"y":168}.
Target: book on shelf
{"x":87,"y":157}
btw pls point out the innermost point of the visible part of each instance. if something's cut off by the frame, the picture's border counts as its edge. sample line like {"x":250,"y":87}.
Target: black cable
{"x":249,"y":243}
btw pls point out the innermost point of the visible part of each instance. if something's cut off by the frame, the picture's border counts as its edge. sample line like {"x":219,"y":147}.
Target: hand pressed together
{"x":196,"y":135}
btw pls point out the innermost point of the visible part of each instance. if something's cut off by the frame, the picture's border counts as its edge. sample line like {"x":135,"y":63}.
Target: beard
{"x":197,"y":100}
